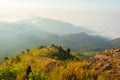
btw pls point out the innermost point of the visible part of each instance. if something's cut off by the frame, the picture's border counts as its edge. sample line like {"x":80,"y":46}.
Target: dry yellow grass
{"x":71,"y":70}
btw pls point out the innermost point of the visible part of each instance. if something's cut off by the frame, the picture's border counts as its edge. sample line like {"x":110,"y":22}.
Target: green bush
{"x":37,"y":75}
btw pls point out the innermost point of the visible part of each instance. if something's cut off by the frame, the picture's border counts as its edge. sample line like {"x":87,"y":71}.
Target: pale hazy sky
{"x":103,"y":16}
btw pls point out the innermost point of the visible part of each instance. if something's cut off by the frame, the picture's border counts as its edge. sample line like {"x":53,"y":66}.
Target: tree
{"x":68,"y":50}
{"x":27,"y":50}
{"x":28,"y":71}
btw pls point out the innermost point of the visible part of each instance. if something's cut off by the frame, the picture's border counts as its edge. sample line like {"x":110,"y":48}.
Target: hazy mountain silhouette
{"x":53,"y":26}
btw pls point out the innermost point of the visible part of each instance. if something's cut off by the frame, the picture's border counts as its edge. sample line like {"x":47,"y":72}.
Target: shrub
{"x":37,"y":75}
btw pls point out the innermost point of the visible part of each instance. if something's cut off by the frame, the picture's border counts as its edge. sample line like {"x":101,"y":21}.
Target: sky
{"x":103,"y":16}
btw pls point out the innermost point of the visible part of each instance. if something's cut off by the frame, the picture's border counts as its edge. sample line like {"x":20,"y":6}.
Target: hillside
{"x":45,"y":62}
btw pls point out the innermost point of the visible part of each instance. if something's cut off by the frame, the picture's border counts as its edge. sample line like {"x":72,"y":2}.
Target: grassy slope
{"x":39,"y":58}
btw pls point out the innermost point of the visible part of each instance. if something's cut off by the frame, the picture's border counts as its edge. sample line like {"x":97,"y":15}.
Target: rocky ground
{"x":107,"y":63}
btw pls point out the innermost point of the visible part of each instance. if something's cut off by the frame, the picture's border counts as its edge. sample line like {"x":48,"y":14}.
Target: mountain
{"x":116,"y":42}
{"x":107,"y":63}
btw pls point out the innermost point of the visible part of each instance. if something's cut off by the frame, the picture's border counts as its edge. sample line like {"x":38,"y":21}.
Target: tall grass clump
{"x":74,"y":71}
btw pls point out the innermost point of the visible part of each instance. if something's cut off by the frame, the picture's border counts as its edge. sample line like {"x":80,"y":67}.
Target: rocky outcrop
{"x":107,"y":63}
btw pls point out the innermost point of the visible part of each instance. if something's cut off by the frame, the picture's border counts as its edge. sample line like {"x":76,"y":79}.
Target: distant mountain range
{"x":28,"y":33}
